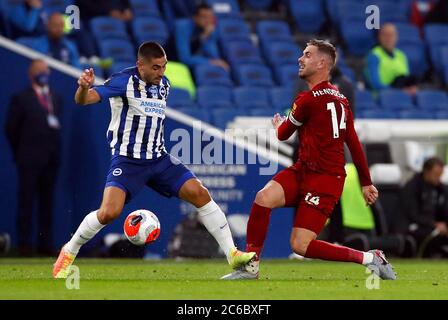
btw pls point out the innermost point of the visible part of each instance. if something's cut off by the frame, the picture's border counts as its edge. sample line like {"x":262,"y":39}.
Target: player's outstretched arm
{"x":85,"y":95}
{"x":282,"y":127}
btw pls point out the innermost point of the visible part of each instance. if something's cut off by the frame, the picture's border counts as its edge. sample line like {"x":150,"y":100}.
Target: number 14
{"x":334,"y":119}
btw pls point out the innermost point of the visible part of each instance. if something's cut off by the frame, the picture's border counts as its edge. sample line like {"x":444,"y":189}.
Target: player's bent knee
{"x":299,"y":247}
{"x":199,"y":195}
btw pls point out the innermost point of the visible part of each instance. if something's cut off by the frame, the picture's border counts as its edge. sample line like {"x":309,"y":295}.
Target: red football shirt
{"x":325,"y":122}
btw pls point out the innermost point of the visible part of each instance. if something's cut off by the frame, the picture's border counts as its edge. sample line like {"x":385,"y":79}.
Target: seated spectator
{"x":388,"y":66}
{"x":425,"y":204}
{"x":55,"y":44}
{"x":119,"y":9}
{"x":196,"y":39}
{"x":27,"y":19}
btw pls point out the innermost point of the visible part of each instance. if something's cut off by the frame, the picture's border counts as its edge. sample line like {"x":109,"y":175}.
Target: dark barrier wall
{"x":85,"y":160}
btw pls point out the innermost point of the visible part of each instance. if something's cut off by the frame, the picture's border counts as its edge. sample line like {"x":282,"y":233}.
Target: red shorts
{"x":313,"y":194}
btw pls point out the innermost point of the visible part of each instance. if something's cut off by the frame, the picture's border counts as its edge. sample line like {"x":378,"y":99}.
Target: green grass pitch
{"x":199,"y":279}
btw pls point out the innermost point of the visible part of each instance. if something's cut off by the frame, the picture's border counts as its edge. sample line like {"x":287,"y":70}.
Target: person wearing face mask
{"x":33,"y":131}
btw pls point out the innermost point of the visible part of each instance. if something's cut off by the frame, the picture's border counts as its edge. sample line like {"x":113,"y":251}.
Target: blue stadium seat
{"x":417,"y":59}
{"x":214,"y":96}
{"x":108,"y":28}
{"x":436,"y":34}
{"x":212,"y":75}
{"x":282,"y":98}
{"x":120,"y":65}
{"x":376,"y":114}
{"x":364,"y":100}
{"x":280,"y":53}
{"x":439,"y":57}
{"x":390,"y":11}
{"x":225,"y":7}
{"x":415,"y":115}
{"x":393,"y":99}
{"x":194,"y":112}
{"x":308,"y":15}
{"x":441,"y":115}
{"x":262,"y":113}
{"x":254,"y":75}
{"x":259,"y":4}
{"x":118,"y":50}
{"x":150,"y":29}
{"x":240,"y":52}
{"x":273,"y":30}
{"x":408,"y":34}
{"x":432,"y":100}
{"x":357,"y":38}
{"x":351,"y":10}
{"x":179,"y":98}
{"x":247,"y":98}
{"x":287,"y":75}
{"x":145,"y":8}
{"x":51,"y":6}
{"x":231,"y":29}
{"x":221,"y":117}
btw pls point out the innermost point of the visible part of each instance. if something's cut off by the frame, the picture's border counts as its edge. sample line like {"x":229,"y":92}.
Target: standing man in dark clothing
{"x":33,"y":131}
{"x":425,"y":204}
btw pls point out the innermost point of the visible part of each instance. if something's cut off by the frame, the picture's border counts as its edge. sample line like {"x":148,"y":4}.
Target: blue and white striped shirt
{"x":138,"y":114}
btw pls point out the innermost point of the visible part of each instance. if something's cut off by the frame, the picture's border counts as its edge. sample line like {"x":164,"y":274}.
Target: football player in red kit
{"x":313,"y":185}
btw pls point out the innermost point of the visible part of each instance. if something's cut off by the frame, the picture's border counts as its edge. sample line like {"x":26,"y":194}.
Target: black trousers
{"x":36,"y":182}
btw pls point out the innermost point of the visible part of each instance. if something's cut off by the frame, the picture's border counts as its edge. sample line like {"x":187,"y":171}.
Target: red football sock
{"x":257,"y":228}
{"x":328,"y":251}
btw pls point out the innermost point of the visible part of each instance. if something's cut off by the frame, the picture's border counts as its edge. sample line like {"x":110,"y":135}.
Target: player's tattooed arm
{"x":85,"y":95}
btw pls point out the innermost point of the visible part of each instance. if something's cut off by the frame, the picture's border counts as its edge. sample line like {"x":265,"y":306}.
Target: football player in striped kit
{"x":137,"y":98}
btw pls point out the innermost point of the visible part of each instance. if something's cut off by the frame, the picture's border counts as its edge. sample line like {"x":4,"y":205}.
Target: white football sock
{"x":216,"y":223}
{"x":367,"y":258}
{"x":88,"y":228}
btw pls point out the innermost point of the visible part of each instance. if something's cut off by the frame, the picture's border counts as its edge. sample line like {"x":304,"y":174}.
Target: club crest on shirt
{"x":162,"y":91}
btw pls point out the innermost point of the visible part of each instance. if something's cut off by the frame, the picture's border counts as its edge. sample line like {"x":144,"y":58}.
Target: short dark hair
{"x":200,"y":7}
{"x":431,"y":163}
{"x":151,"y":50}
{"x":324,"y":46}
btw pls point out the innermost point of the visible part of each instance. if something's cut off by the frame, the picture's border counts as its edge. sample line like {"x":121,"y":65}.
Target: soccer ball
{"x":141,"y":227}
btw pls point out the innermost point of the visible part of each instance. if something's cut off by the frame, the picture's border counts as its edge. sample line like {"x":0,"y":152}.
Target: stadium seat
{"x":259,"y":4}
{"x":395,"y":100}
{"x":287,"y":75}
{"x":212,"y":97}
{"x":273,"y":30}
{"x":357,"y":38}
{"x":417,"y":59}
{"x":282,"y":98}
{"x":436,"y":34}
{"x":408,"y":34}
{"x":254,"y":75}
{"x":441,"y":115}
{"x":179,"y":98}
{"x":118,"y":50}
{"x":262,"y":112}
{"x":212,"y":75}
{"x":240,"y":52}
{"x":221,"y":117}
{"x":364,"y":100}
{"x":308,"y":15}
{"x":415,"y":115}
{"x":439,"y":57}
{"x":150,"y":29}
{"x":51,"y":6}
{"x":120,"y":65}
{"x":247,"y":98}
{"x":432,"y":100}
{"x":225,"y":7}
{"x":232,"y":28}
{"x":196,"y":113}
{"x":376,"y":114}
{"x":145,"y":8}
{"x":280,"y":53}
{"x":108,"y":28}
{"x":351,"y":10}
